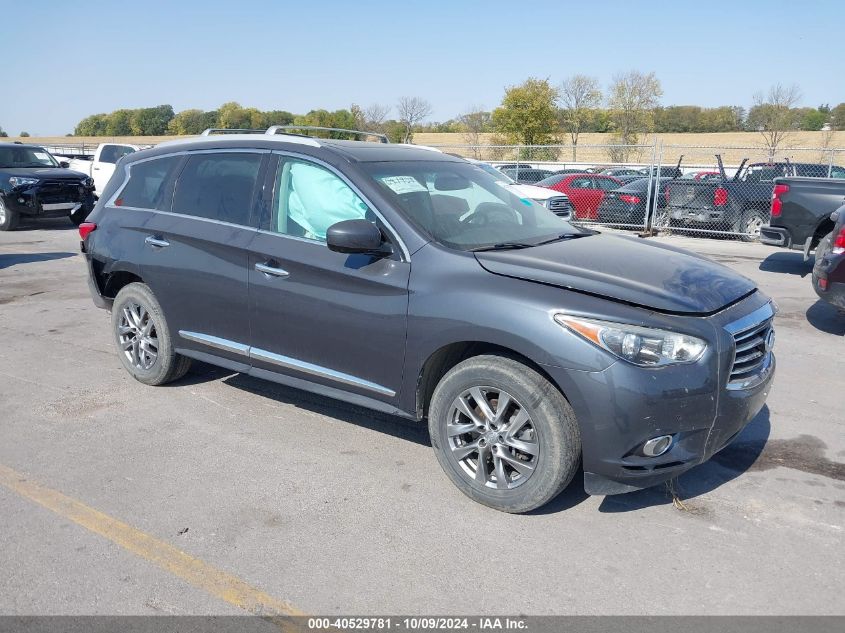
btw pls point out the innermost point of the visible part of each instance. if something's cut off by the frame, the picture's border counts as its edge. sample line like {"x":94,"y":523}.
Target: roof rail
{"x":221,"y":130}
{"x":275,"y":129}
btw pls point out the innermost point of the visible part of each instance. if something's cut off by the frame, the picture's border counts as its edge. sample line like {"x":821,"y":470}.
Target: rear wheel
{"x":8,"y":217}
{"x":503,"y":434}
{"x":751,"y":221}
{"x":144,"y":342}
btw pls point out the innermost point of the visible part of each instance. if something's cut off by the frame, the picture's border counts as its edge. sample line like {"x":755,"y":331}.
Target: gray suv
{"x":411,"y":282}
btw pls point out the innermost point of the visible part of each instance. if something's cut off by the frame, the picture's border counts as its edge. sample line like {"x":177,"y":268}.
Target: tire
{"x":749,"y":224}
{"x":550,"y":436}
{"x":151,"y":358}
{"x":79,"y":216}
{"x":8,"y":217}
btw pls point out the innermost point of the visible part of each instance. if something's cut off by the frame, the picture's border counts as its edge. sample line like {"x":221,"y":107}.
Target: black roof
{"x":353,"y":151}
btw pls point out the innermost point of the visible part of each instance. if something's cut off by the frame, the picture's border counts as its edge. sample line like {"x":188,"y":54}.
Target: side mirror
{"x":64,"y":164}
{"x":356,"y":236}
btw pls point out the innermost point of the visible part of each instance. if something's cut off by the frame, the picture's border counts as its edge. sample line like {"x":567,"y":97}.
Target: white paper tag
{"x":41,"y":155}
{"x":402,"y":184}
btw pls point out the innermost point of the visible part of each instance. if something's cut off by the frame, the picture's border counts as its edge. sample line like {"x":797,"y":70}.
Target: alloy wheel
{"x":753,"y":225}
{"x":492,"y":438}
{"x":137,"y":336}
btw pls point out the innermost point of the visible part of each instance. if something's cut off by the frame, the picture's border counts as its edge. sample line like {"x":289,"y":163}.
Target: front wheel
{"x":8,"y":217}
{"x":143,"y":340}
{"x":503,"y":434}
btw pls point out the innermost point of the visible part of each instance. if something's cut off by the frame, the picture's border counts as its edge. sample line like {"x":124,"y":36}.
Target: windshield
{"x":462,"y":206}
{"x":11,"y":157}
{"x":495,"y":173}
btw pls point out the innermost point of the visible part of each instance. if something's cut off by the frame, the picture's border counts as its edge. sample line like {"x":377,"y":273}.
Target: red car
{"x":585,"y":191}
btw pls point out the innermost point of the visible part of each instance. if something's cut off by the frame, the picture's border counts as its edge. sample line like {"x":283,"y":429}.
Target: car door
{"x":105,"y":162}
{"x":581,"y":195}
{"x":195,"y":253}
{"x":602,"y":185}
{"x":329,"y":318}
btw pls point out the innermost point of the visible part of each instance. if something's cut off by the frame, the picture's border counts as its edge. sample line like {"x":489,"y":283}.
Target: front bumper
{"x":35,"y":202}
{"x":622,"y":407}
{"x":692,"y":216}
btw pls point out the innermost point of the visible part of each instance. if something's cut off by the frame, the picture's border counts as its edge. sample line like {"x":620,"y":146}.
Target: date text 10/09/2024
{"x":417,"y":624}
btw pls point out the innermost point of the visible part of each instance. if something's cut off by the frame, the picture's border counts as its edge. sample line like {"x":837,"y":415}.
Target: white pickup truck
{"x":100,"y":165}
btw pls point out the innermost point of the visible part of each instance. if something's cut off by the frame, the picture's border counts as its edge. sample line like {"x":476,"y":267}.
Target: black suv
{"x":411,"y":282}
{"x":33,"y":183}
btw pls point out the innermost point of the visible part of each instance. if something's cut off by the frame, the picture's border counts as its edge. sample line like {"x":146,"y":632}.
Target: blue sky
{"x":65,"y":60}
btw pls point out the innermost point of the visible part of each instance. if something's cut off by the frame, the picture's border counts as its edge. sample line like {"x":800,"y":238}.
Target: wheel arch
{"x":441,"y":360}
{"x":119,"y":277}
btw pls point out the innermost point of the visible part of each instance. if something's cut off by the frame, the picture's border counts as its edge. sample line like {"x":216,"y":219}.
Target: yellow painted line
{"x":171,"y":559}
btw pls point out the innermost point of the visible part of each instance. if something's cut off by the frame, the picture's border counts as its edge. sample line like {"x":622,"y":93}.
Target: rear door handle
{"x":271,"y":271}
{"x":157,"y":242}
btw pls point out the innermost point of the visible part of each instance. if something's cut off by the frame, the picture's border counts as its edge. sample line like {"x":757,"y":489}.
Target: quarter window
{"x":147,"y":184}
{"x":310,"y":199}
{"x":218,"y":186}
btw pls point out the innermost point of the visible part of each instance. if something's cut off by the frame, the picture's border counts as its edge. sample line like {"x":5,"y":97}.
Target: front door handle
{"x":271,"y":271}
{"x":157,"y":242}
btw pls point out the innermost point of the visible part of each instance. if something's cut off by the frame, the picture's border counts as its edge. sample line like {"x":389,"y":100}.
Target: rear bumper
{"x":694,"y":215}
{"x":829,"y":271}
{"x":775,"y":236}
{"x":96,"y":296}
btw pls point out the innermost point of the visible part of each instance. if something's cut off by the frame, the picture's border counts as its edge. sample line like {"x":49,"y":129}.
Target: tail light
{"x":85,"y":229}
{"x":629,"y":199}
{"x":777,"y":203}
{"x":720,"y":197}
{"x":838,"y":246}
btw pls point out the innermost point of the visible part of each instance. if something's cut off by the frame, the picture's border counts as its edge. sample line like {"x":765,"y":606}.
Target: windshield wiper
{"x":503,"y":246}
{"x":563,"y":236}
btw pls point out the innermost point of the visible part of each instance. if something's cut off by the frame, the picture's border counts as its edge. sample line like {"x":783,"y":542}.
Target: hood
{"x":45,"y":173}
{"x":626,"y":269}
{"x":534,"y":193}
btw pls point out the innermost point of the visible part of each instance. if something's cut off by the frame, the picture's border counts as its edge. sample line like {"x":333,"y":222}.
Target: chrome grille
{"x":751,"y":353}
{"x":559,"y":206}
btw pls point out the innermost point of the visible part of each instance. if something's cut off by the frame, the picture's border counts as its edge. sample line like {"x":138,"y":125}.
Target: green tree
{"x":232,"y":116}
{"x":773,"y":115}
{"x":323,"y":118}
{"x":94,"y":125}
{"x":119,"y":123}
{"x":812,"y":120}
{"x":187,"y":122}
{"x":528,"y":114}
{"x":837,"y":117}
{"x":580,"y":95}
{"x":3,"y":133}
{"x":632,"y":98}
{"x":151,"y":121}
{"x":24,"y":134}
{"x":278,"y":117}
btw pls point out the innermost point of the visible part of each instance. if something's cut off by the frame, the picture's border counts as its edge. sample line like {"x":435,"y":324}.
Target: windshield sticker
{"x":42,"y":155}
{"x":402,"y":184}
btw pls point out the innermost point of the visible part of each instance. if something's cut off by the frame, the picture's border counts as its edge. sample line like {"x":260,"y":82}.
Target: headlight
{"x":17,"y":181}
{"x":87,"y":182}
{"x":643,"y":346}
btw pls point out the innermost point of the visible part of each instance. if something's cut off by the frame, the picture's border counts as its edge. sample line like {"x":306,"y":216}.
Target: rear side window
{"x":218,"y":186}
{"x":147,"y":184}
{"x":113,"y":153}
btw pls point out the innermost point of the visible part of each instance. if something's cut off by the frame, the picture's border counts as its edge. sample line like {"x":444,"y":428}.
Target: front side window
{"x":147,"y":184}
{"x":218,"y":186}
{"x":463,"y":207}
{"x":310,"y":198}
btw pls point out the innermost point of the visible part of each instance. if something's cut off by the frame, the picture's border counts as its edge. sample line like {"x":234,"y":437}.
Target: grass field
{"x":697,"y":149}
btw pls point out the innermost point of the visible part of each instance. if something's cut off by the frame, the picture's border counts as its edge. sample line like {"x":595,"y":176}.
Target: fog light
{"x":656,"y":446}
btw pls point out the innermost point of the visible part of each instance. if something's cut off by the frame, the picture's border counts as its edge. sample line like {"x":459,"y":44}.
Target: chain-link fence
{"x":699,"y":190}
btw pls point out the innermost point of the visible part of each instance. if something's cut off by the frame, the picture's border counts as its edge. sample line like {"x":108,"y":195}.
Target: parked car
{"x":829,"y":268}
{"x":557,"y":203}
{"x":629,"y":203}
{"x":800,"y":211}
{"x":531,"y":346}
{"x":34,"y":184}
{"x":665,"y":173}
{"x":526,"y":175}
{"x":739,"y":204}
{"x":585,"y":191}
{"x":100,"y":166}
{"x":702,"y":175}
{"x":623,"y":171}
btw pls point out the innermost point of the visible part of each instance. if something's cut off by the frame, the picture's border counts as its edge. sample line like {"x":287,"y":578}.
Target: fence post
{"x":830,"y":163}
{"x":646,"y":219}
{"x":654,"y":202}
